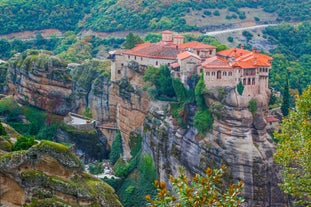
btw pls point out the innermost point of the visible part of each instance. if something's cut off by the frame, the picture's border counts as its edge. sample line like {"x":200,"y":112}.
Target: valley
{"x":104,"y":102}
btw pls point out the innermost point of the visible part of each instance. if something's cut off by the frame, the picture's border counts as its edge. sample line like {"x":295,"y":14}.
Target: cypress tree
{"x":286,"y":99}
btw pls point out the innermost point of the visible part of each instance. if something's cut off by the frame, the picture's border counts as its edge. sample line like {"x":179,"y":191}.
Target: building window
{"x":219,"y":74}
{"x":213,"y":73}
{"x":207,"y":73}
{"x":141,"y":58}
{"x":253,"y":81}
{"x":225,"y":74}
{"x":129,"y":57}
{"x":210,"y":52}
{"x":135,"y":57}
{"x":244,"y":81}
{"x":156,"y":62}
{"x":249,"y":81}
{"x":230,"y":73}
{"x":119,"y":71}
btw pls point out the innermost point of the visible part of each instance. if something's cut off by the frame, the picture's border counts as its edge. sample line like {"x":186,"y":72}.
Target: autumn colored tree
{"x":201,"y":191}
{"x":294,"y":151}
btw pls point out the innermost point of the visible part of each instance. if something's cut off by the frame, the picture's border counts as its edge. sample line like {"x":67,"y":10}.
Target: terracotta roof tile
{"x":216,"y":62}
{"x":272,"y":119}
{"x":233,"y":52}
{"x":150,"y":50}
{"x":187,"y":54}
{"x":174,"y":65}
{"x":195,"y":45}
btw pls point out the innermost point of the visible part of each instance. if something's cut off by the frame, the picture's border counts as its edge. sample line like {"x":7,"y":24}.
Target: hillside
{"x":118,"y":15}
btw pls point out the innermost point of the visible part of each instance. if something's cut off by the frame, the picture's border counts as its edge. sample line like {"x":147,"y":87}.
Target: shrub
{"x":24,"y":143}
{"x":252,"y":106}
{"x":2,"y":130}
{"x":230,"y":39}
{"x":116,"y":149}
{"x":216,"y":13}
{"x":256,"y":19}
{"x":240,"y":88}
{"x":203,"y":121}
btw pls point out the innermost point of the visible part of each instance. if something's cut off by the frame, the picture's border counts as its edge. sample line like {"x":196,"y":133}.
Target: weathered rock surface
{"x":92,"y":143}
{"x":40,"y":79}
{"x":49,"y":174}
{"x":129,"y":106}
{"x":238,"y":140}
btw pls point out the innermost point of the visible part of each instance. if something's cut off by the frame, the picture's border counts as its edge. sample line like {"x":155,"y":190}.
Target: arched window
{"x":219,"y":74}
{"x":244,"y":81}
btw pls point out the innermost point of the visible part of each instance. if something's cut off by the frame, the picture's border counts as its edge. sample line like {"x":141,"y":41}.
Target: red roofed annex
{"x":226,"y":68}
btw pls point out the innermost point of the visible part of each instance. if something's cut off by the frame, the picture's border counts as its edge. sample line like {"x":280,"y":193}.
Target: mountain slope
{"x":118,"y":15}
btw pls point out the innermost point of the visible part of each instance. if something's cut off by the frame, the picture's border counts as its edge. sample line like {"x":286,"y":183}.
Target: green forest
{"x":120,"y":15}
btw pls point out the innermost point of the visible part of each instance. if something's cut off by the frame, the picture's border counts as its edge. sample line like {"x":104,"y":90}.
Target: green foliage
{"x":131,"y":40}
{"x":230,"y":39}
{"x":116,"y":149}
{"x":201,"y":191}
{"x":138,"y":183}
{"x":96,"y":168}
{"x":161,"y":78}
{"x":24,"y":143}
{"x":240,"y":88}
{"x":286,"y":100}
{"x":135,"y":142}
{"x":248,"y":35}
{"x":10,"y":109}
{"x":252,"y":106}
{"x":216,"y":13}
{"x":199,"y":93}
{"x":294,"y":150}
{"x":2,"y":130}
{"x":87,"y":112}
{"x":203,"y":121}
{"x":20,"y":15}
{"x":291,"y":56}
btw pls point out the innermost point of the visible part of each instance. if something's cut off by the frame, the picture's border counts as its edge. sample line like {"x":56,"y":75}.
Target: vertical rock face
{"x":45,"y":81}
{"x":128,"y":106}
{"x":238,"y":140}
{"x":40,"y":79}
{"x":90,"y":85}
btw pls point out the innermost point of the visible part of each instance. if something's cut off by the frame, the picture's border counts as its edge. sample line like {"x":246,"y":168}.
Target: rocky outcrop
{"x":238,"y":140}
{"x":40,"y":79}
{"x":128,"y":106}
{"x":92,"y":143}
{"x":49,"y":174}
{"x":90,"y":85}
{"x":3,"y":83}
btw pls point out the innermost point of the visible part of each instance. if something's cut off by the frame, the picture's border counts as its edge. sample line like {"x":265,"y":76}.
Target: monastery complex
{"x":224,"y":68}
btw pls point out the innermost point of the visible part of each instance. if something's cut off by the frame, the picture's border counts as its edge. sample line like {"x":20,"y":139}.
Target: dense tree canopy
{"x":294,"y":150}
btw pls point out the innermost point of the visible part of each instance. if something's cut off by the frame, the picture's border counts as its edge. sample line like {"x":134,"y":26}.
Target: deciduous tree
{"x":201,"y":191}
{"x":294,"y":150}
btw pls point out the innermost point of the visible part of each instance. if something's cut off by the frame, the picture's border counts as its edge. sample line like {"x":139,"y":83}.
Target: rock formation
{"x":48,"y":174}
{"x":40,"y":79}
{"x":238,"y":140}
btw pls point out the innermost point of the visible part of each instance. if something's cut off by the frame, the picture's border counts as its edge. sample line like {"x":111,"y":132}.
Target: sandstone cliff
{"x":40,"y":79}
{"x":48,"y":174}
{"x":238,"y":140}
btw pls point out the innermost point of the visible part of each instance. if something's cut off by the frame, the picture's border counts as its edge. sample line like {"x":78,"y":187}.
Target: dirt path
{"x":214,"y":33}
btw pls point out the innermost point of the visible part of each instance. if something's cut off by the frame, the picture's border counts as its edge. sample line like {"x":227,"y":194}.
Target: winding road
{"x":238,"y":29}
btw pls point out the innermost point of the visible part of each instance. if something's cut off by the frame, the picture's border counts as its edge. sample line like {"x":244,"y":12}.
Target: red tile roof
{"x":216,"y":62}
{"x":246,"y":59}
{"x":234,"y":52}
{"x":195,"y":45}
{"x":272,"y":119}
{"x":159,"y":51}
{"x":174,"y":65}
{"x":186,"y":54}
{"x":167,"y":32}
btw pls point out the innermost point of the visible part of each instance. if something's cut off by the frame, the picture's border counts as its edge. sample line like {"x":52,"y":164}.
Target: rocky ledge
{"x":48,"y":174}
{"x":238,"y":139}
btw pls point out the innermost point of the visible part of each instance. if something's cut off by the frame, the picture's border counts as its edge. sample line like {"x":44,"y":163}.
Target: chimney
{"x":242,"y":46}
